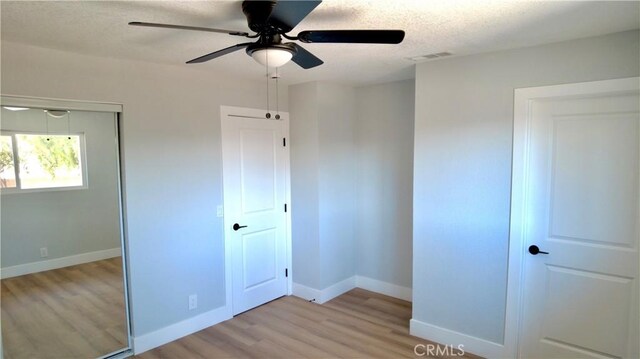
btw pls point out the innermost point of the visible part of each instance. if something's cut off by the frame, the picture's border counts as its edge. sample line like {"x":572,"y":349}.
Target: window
{"x":40,"y":161}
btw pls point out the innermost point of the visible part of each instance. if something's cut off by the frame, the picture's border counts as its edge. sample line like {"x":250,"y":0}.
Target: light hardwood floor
{"x":72,"y":312}
{"x":357,"y":324}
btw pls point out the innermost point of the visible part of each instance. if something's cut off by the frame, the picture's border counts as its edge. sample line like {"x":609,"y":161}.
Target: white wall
{"x":323,"y":183}
{"x":352,"y":165}
{"x":172,"y":164}
{"x":337,"y":186}
{"x":305,"y":226}
{"x":462,"y":171}
{"x":67,"y":222}
{"x":384,"y":145}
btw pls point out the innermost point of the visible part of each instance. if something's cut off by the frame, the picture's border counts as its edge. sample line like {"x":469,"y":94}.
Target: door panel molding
{"x":521,"y":180}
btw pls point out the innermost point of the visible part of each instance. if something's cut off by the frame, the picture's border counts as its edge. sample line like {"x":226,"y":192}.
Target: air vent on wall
{"x":430,"y":56}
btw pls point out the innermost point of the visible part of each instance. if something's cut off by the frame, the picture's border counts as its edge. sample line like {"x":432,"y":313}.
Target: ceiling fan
{"x":271,"y":21}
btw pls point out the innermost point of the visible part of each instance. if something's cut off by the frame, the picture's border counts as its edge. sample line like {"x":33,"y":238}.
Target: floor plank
{"x":357,"y":324}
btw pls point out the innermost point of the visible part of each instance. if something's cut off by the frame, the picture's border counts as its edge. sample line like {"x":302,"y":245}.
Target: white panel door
{"x":255,"y":179}
{"x":581,"y":299}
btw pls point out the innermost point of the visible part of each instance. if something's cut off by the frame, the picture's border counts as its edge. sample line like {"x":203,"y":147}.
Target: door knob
{"x":533,"y":249}
{"x":237,"y":226}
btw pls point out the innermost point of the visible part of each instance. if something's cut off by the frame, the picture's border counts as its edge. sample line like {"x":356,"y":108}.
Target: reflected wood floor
{"x":72,"y":312}
{"x":357,"y":324}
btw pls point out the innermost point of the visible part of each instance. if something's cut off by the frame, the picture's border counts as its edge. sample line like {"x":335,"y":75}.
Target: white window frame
{"x":16,"y":163}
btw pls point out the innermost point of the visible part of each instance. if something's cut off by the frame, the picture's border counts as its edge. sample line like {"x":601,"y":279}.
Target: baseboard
{"x":41,"y":266}
{"x":337,"y":289}
{"x":473,"y":345}
{"x":178,"y":330}
{"x":306,"y":293}
{"x":374,"y":285}
{"x":390,"y":289}
{"x":324,"y":295}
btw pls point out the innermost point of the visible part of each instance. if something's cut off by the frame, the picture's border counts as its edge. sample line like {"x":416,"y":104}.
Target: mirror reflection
{"x":62,"y":292}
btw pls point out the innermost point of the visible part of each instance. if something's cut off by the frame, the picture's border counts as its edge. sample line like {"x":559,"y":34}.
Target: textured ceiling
{"x":461,"y":27}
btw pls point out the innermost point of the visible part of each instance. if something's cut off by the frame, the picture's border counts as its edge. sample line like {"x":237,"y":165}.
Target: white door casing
{"x":256,"y":189}
{"x":576,"y":176}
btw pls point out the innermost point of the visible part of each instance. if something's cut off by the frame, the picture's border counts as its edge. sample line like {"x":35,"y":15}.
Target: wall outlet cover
{"x":193,"y":301}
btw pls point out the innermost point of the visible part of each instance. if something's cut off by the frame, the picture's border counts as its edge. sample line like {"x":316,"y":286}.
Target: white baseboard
{"x":41,"y":266}
{"x":374,"y":285}
{"x":337,"y":289}
{"x":473,"y":345}
{"x":390,"y":289}
{"x":306,"y":293}
{"x":178,"y":330}
{"x":325,"y":295}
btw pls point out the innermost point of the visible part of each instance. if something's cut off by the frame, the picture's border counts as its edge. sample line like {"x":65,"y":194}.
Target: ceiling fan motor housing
{"x":258,"y":15}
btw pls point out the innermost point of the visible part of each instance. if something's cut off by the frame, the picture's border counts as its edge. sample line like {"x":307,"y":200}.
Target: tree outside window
{"x":7,"y":169}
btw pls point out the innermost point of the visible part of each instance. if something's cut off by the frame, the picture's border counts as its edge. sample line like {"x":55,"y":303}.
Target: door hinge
{"x":284,"y":142}
{"x":286,"y":272}
{"x":285,"y":208}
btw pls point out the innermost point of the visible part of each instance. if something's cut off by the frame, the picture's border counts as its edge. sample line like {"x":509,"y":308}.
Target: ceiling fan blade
{"x":353,"y":36}
{"x":304,"y":58}
{"x":218,"y":53}
{"x":287,"y":14}
{"x":182,"y":27}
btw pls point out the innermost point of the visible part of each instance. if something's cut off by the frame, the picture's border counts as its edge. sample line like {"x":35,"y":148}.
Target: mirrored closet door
{"x":63,"y":292}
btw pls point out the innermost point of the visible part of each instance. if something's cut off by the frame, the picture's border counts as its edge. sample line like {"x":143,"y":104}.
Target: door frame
{"x":227,"y":113}
{"x":519,"y":186}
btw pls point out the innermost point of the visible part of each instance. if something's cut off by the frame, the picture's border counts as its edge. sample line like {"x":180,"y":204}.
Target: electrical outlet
{"x":193,"y":301}
{"x":219,"y":211}
{"x":44,"y":252}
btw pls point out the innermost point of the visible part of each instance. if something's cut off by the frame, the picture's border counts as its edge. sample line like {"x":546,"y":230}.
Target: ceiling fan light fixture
{"x":56,"y":113}
{"x":272,"y":56}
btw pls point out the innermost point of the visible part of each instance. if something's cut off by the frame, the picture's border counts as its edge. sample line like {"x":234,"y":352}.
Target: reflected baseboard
{"x":41,"y":266}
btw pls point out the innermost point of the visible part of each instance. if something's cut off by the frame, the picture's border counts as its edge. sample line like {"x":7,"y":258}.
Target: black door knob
{"x":533,"y":249}
{"x":237,"y":226}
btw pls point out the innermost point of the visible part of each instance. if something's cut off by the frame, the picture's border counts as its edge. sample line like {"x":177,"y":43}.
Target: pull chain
{"x":46,"y":121}
{"x":277,"y":97}
{"x":267,"y":76}
{"x":68,"y":125}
